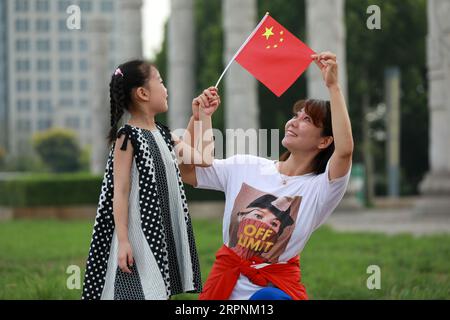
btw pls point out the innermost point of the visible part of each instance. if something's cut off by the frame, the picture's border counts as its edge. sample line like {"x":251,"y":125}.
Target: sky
{"x":154,"y":15}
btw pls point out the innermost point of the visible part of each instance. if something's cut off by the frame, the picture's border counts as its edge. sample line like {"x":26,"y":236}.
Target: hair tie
{"x":118,"y":71}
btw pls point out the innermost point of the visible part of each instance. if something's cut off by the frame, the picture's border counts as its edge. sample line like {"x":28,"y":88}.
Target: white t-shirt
{"x":264,"y":217}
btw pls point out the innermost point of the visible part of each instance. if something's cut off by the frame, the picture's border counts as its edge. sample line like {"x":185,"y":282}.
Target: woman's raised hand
{"x":208,"y":101}
{"x":326,"y":61}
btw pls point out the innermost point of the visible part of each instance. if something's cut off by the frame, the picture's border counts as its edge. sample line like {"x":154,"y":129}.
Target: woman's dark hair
{"x":320,"y":113}
{"x":129,"y":75}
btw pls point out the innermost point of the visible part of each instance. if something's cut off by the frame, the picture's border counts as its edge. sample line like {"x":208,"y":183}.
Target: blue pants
{"x":270,"y":293}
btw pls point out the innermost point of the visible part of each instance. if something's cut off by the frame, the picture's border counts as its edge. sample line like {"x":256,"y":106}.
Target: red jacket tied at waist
{"x":228,"y":266}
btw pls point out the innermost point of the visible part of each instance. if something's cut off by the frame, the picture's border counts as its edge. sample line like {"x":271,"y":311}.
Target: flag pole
{"x":242,"y":46}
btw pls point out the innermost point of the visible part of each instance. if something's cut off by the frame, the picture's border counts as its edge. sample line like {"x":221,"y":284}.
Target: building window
{"x":84,"y":85}
{"x":65,"y":65}
{"x":84,"y":102}
{"x":23,"y":125}
{"x":22,"y":25}
{"x":65,"y":45}
{"x":107,"y":6}
{"x":44,"y":85}
{"x":44,"y":105}
{"x":44,"y":124}
{"x":66,"y":102}
{"x":63,"y":5}
{"x":23,"y":105}
{"x":23,"y":85}
{"x":43,"y":45}
{"x":65,"y":85}
{"x":22,"y":65}
{"x":73,"y":122}
{"x":42,"y":5}
{"x":83,"y":45}
{"x":83,"y":65}
{"x":43,"y":65}
{"x":21,"y":5}
{"x":62,"y":25}
{"x":85,"y":6}
{"x":22,"y":45}
{"x":42,"y":25}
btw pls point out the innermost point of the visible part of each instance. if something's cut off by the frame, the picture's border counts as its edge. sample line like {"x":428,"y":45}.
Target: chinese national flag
{"x":275,"y":56}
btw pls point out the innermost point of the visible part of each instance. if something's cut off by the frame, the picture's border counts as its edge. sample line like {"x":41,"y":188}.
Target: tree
{"x":400,"y":42}
{"x":59,"y":149}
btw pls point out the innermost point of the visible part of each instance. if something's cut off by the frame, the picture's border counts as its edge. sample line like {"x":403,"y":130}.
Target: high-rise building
{"x":3,"y":83}
{"x":49,"y":66}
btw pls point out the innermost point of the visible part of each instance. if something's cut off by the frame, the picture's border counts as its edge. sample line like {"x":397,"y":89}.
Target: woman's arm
{"x":122,"y":186}
{"x":341,"y":159}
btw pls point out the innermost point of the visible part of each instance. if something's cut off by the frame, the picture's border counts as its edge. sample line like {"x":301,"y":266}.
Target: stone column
{"x":325,"y":25}
{"x":435,"y":188}
{"x":128,"y":30}
{"x":241,"y":91}
{"x":100,"y":30}
{"x":181,"y":63}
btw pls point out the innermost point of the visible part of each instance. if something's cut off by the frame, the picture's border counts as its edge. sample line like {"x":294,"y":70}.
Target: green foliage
{"x":2,"y":157}
{"x":400,"y":42}
{"x":50,"y":190}
{"x":33,"y":190}
{"x":85,"y":159}
{"x":24,"y":163}
{"x":59,"y":149}
{"x":209,"y":51}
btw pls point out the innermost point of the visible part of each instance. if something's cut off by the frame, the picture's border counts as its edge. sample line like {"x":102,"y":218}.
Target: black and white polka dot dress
{"x":159,"y":227}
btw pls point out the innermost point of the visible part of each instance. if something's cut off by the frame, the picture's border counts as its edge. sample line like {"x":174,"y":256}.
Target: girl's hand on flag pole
{"x":208,"y":101}
{"x":326,"y":61}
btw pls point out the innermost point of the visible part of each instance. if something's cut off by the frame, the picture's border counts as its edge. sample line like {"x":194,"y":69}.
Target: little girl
{"x":142,"y":245}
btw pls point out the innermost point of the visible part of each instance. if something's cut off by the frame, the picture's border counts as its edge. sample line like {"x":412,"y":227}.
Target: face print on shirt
{"x":261,"y":224}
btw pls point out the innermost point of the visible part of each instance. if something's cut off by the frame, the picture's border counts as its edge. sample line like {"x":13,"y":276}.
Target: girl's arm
{"x":197,"y":145}
{"x":197,"y":149}
{"x":341,"y":159}
{"x":200,"y":126}
{"x":122,"y":186}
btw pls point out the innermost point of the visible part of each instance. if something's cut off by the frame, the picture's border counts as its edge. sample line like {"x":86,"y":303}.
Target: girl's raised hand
{"x":208,"y":101}
{"x":326,"y":61}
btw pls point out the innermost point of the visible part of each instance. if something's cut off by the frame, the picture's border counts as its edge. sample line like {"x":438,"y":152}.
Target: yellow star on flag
{"x":268,"y":33}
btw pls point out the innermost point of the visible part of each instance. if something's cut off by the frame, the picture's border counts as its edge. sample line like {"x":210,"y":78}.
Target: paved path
{"x":395,"y":219}
{"x":389,"y":221}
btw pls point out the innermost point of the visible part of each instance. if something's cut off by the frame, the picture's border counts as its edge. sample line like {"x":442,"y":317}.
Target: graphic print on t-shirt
{"x":261,"y":223}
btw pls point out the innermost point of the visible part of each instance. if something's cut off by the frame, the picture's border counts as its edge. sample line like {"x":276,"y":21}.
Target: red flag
{"x":275,"y":56}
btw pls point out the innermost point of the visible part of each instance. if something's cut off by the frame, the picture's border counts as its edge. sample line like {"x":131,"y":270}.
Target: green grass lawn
{"x":34,"y":256}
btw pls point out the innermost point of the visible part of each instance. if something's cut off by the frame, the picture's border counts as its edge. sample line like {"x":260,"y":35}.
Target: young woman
{"x":284,"y":201}
{"x":142,"y":245}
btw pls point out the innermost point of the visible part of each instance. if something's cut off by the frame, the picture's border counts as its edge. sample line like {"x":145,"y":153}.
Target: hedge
{"x":68,"y":190}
